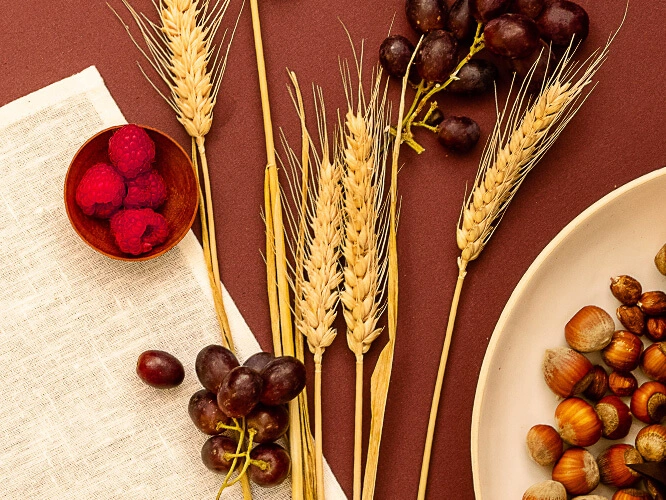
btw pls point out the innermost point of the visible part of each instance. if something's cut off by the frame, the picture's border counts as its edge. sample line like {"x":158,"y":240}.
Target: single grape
{"x":213,"y":450}
{"x":543,"y":69}
{"x":435,"y":118}
{"x":437,"y":56}
{"x":270,"y":422}
{"x":511,"y":35}
{"x":259,"y":360}
{"x":160,"y":369}
{"x":459,"y":133}
{"x":529,"y":8}
{"x":395,"y":54}
{"x":461,"y":22}
{"x":275,"y":463}
{"x":284,"y":379}
{"x":426,"y":15}
{"x":475,"y":77}
{"x":213,"y":363}
{"x":239,"y":392}
{"x":205,"y":413}
{"x":561,"y":21}
{"x":485,"y":10}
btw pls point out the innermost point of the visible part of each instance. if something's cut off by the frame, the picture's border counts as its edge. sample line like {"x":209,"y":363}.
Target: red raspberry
{"x":101,"y":190}
{"x":137,"y":231}
{"x":148,"y":190}
{"x":131,"y":151}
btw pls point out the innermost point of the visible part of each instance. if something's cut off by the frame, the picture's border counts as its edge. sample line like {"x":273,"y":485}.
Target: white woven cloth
{"x":75,"y":420}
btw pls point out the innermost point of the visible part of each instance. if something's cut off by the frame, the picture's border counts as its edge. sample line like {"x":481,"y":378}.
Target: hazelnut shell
{"x":589,"y":330}
{"x":626,"y":289}
{"x":651,"y":443}
{"x":624,"y":351}
{"x":653,"y":362}
{"x":577,"y":470}
{"x":546,"y":490}
{"x":577,"y":422}
{"x":544,"y":444}
{"x":648,"y":402}
{"x":566,"y":371}
{"x":615,"y":417}
{"x":613,"y":468}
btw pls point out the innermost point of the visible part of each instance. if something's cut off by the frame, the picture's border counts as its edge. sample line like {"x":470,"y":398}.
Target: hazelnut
{"x":622,"y":384}
{"x":626,"y":289}
{"x":656,"y":328}
{"x":546,"y":490}
{"x":598,"y":384}
{"x":577,"y":471}
{"x":566,"y":371}
{"x":544,"y":444}
{"x":613,"y":468}
{"x":631,"y":494}
{"x":615,"y":417}
{"x":577,"y":422}
{"x":648,"y":402}
{"x":653,"y":303}
{"x":653,"y":362}
{"x":656,"y":490}
{"x":624,"y":351}
{"x":660,"y":260}
{"x":589,"y":497}
{"x":590,"y":329}
{"x":632,"y":318}
{"x":651,"y":443}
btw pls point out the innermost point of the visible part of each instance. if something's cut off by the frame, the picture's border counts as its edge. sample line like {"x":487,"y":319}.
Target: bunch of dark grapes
{"x":242,"y":407}
{"x":516,"y":33}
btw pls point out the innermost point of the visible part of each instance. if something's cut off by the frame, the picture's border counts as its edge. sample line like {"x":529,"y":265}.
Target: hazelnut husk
{"x":651,"y":443}
{"x":546,"y":490}
{"x":653,"y":303}
{"x":590,"y":329}
{"x":577,"y":470}
{"x":624,"y":351}
{"x":660,"y":260}
{"x":626,"y":289}
{"x":613,"y":468}
{"x":631,"y":494}
{"x":544,"y":444}
{"x":648,"y":402}
{"x":632,"y":318}
{"x":622,"y":384}
{"x":655,"y":328}
{"x":653,"y":362}
{"x":577,"y":422}
{"x":615,"y":417}
{"x":598,"y":384}
{"x":566,"y":371}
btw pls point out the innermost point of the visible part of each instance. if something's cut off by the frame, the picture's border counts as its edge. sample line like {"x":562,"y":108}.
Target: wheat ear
{"x":519,"y":140}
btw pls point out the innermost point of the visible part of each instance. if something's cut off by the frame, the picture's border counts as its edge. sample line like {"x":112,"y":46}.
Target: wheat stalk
{"x":519,"y":140}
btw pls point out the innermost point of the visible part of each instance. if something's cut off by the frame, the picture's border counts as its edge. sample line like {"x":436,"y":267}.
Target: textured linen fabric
{"x":75,"y":420}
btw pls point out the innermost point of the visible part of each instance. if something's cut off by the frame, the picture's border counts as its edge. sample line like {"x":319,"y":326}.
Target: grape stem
{"x":240,"y":428}
{"x":426,"y":90}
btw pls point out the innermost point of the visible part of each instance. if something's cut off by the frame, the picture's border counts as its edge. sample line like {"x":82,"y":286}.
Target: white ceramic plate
{"x":620,"y":234}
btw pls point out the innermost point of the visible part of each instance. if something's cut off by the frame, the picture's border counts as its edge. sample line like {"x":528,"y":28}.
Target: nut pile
{"x":604,"y":400}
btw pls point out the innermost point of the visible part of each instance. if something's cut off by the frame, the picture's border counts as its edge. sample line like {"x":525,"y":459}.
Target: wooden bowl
{"x":179,"y":209}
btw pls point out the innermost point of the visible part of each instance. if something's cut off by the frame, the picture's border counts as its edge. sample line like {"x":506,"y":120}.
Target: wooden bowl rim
{"x":128,"y":258}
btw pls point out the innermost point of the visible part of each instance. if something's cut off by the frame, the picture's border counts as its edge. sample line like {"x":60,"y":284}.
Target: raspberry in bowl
{"x":131,"y":192}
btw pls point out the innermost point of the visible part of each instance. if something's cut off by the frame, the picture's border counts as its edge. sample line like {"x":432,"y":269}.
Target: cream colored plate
{"x":620,"y":234}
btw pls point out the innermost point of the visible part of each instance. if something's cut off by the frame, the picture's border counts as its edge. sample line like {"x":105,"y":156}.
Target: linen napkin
{"x":75,"y":420}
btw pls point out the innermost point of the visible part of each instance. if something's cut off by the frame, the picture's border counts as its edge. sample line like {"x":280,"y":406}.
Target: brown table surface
{"x":619,"y":135}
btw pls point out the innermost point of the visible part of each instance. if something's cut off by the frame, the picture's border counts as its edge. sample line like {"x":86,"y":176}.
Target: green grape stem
{"x":426,"y":90}
{"x":240,"y":428}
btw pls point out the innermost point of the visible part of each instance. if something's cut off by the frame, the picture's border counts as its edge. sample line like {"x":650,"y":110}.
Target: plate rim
{"x":517,"y":292}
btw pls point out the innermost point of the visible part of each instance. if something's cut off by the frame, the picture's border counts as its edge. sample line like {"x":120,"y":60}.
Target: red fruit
{"x":131,"y":151}
{"x":160,"y":369}
{"x":147,"y":190}
{"x":138,"y":231}
{"x":100,"y":192}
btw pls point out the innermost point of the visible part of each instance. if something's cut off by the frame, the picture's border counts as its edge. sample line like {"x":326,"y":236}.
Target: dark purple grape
{"x":259,"y":360}
{"x":160,"y":369}
{"x":205,"y":413}
{"x":284,"y":379}
{"x":485,"y":10}
{"x":213,"y":363}
{"x":475,"y":77}
{"x":459,"y":133}
{"x":511,"y":35}
{"x":395,"y":54}
{"x":543,"y":70}
{"x":529,"y":8}
{"x":461,"y":22}
{"x":270,"y":422}
{"x":561,"y":20}
{"x":240,"y":391}
{"x":213,"y":450}
{"x":435,"y":118}
{"x":437,"y":56}
{"x":276,"y":464}
{"x":426,"y":15}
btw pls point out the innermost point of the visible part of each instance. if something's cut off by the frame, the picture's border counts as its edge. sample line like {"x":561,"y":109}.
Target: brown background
{"x":618,"y":136}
